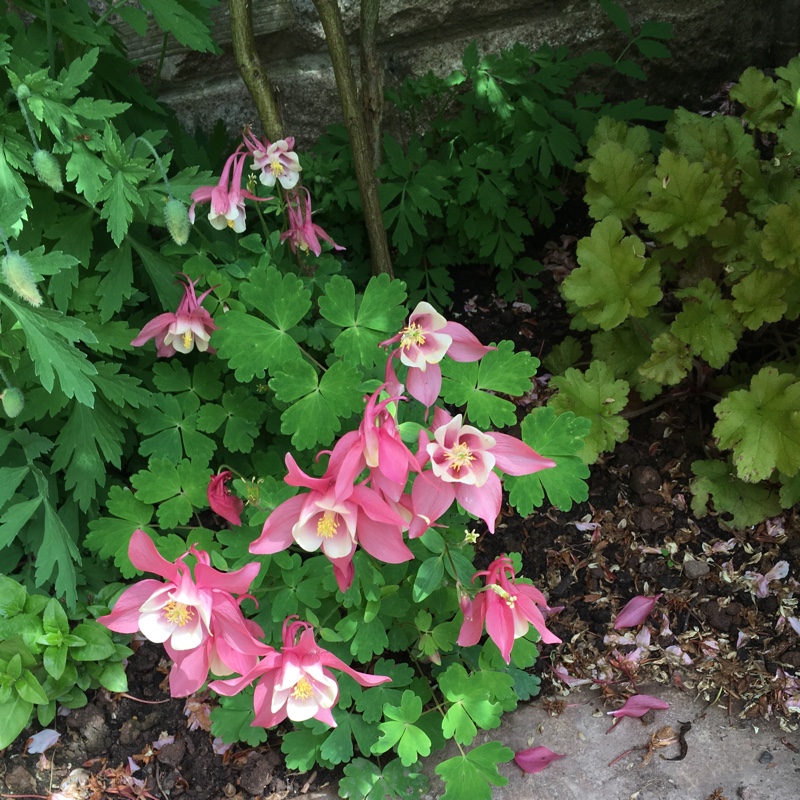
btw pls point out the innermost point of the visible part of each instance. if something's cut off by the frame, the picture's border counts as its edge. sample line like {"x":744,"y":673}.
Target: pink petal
{"x":639,"y":705}
{"x":41,"y":741}
{"x":125,"y":616}
{"x":424,"y":386}
{"x":535,"y":759}
{"x":483,"y":501}
{"x":466,"y":346}
{"x":276,"y":535}
{"x":636,"y":611}
{"x":472,"y":626}
{"x":144,"y":556}
{"x":153,"y":328}
{"x":237,"y":581}
{"x":430,"y":498}
{"x":500,"y":625}
{"x":517,"y":458}
{"x":382,"y":541}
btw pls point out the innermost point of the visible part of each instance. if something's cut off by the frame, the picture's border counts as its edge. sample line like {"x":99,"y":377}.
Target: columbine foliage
{"x":709,"y":260}
{"x":154,"y":377}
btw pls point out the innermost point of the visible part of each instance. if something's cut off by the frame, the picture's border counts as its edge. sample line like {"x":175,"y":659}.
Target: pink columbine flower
{"x":535,"y":759}
{"x":424,"y":341}
{"x":507,"y":608}
{"x":334,"y":520}
{"x":222,"y":502}
{"x":227,"y":197}
{"x":189,"y":327}
{"x":637,"y":706}
{"x":295,"y":682}
{"x":636,"y":611}
{"x":275,"y":161}
{"x":462,"y":462}
{"x":197,"y":619}
{"x":302,"y":232}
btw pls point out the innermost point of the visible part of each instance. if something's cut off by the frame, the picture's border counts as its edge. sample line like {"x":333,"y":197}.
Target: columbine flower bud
{"x":48,"y":170}
{"x":23,"y":92}
{"x":176,"y":217}
{"x":19,"y":276}
{"x":13,"y":401}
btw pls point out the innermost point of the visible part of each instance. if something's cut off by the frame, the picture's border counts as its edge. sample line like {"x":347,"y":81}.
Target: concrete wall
{"x":714,"y":41}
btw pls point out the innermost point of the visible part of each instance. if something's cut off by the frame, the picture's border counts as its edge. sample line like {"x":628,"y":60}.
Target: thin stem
{"x":436,"y":703}
{"x":31,"y":132}
{"x":156,"y":158}
{"x":51,"y":42}
{"x":252,"y":70}
{"x":160,"y":66}
{"x":331,"y":19}
{"x":109,"y":11}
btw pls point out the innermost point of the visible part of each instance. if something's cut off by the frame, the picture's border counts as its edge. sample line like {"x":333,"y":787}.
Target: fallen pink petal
{"x":636,"y":611}
{"x":535,"y":759}
{"x":638,"y":706}
{"x":43,"y":740}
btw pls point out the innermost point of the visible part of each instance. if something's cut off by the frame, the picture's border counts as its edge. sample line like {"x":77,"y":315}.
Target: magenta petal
{"x":382,"y":541}
{"x":472,"y":626}
{"x":430,"y":498}
{"x":237,"y":581}
{"x":639,"y":705}
{"x":535,"y":759}
{"x":144,"y":556}
{"x":125,"y":616}
{"x":500,"y":625}
{"x":465,"y":346}
{"x":517,"y":458}
{"x":276,"y":535}
{"x":636,"y":611}
{"x":153,"y":328}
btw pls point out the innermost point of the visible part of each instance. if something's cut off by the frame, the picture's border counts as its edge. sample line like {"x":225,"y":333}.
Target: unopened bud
{"x":177,"y":218}
{"x":23,"y":92}
{"x":48,"y":170}
{"x":18,"y":275}
{"x":13,"y":401}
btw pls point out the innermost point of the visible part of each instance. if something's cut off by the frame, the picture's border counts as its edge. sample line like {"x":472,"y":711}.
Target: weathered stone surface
{"x":714,"y":41}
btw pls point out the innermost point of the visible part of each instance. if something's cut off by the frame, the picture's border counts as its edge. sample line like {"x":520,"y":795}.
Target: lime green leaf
{"x":109,"y":536}
{"x":560,"y":437}
{"x":12,"y":597}
{"x":595,"y":395}
{"x":748,"y":504}
{"x":371,"y":701}
{"x":178,"y":489}
{"x":758,"y":297}
{"x":790,"y":490}
{"x":473,"y":773}
{"x":88,"y":441}
{"x":301,"y":748}
{"x":366,"y":320}
{"x":685,"y":200}
{"x":501,"y":370}
{"x":669,"y":362}
{"x":615,"y":280}
{"x":780,"y":241}
{"x":762,"y":425}
{"x":410,"y":740}
{"x":470,"y":705}
{"x":50,"y":337}
{"x":429,"y":578}
{"x":707,"y":323}
{"x":99,"y":645}
{"x":231,"y":721}
{"x":761,"y":98}
{"x":87,"y":171}
{"x":317,"y":407}
{"x":251,"y":345}
{"x":15,"y":714}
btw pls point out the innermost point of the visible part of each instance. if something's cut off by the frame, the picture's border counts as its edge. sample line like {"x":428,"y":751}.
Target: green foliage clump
{"x":705,"y":285}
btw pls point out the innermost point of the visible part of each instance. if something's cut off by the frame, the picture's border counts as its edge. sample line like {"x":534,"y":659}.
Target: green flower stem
{"x":109,"y":11}
{"x":331,"y":19}
{"x":31,"y":132}
{"x":252,"y":70}
{"x":156,"y":158}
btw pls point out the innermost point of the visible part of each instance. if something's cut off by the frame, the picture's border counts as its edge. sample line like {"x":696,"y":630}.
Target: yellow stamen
{"x":231,"y":223}
{"x":178,"y":613}
{"x":460,"y":456}
{"x":187,"y":339}
{"x":302,"y":690}
{"x":327,"y":525}
{"x":276,"y":168}
{"x":412,"y":334}
{"x":509,"y":598}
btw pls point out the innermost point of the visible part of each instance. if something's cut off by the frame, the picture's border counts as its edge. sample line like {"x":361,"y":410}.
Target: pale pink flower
{"x":535,"y":759}
{"x":636,"y":611}
{"x":462,"y":462}
{"x":227,"y":197}
{"x":302,"y":232}
{"x":221,"y":501}
{"x":197,"y":619}
{"x":189,"y":327}
{"x":276,"y":161}
{"x":334,"y":519}
{"x":424,"y":341}
{"x":295,"y":682}
{"x":507,"y":608}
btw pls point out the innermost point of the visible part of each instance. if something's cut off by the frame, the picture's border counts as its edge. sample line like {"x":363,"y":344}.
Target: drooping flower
{"x":227,"y":197}
{"x":276,"y":161}
{"x":423,"y":343}
{"x":506,"y":607}
{"x":334,"y":520}
{"x":189,"y":327}
{"x":197,"y":619}
{"x":296,"y":682}
{"x":222,"y":502}
{"x":462,"y":462}
{"x":302,"y":232}
{"x":636,"y":611}
{"x":535,"y":759}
